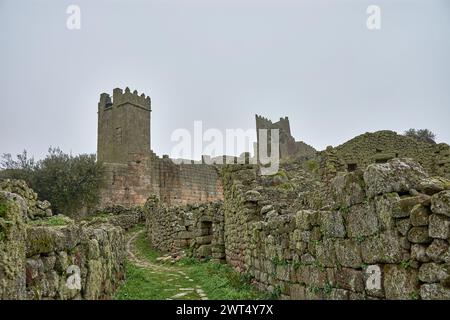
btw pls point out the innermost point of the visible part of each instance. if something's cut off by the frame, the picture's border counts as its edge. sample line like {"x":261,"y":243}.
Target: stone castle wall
{"x":133,"y":171}
{"x":175,"y":184}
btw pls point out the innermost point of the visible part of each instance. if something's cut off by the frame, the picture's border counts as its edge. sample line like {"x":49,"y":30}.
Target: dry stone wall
{"x":196,"y":229}
{"x":55,"y":257}
{"x":383,"y":145}
{"x":384,"y":235}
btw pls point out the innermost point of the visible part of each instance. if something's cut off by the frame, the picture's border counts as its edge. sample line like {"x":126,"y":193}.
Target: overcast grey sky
{"x":222,"y":62}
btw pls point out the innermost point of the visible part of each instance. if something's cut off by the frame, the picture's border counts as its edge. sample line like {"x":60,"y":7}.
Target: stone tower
{"x":288,"y":145}
{"x":123,"y":126}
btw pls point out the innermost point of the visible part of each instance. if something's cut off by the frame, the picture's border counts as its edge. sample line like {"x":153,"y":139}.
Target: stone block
{"x":350,"y":279}
{"x":306,"y":219}
{"x":332,"y":224}
{"x":297,"y":292}
{"x":325,"y":253}
{"x":419,"y":215}
{"x":362,"y":221}
{"x":403,"y":207}
{"x":433,"y":272}
{"x":397,"y":175}
{"x":418,"y":252}
{"x":433,"y":185}
{"x":434,"y":291}
{"x":440,"y":203}
{"x":400,"y":283}
{"x":383,"y":206}
{"x":348,"y":189}
{"x":419,"y":235}
{"x":439,"y":226}
{"x":383,"y":248}
{"x":348,"y":253}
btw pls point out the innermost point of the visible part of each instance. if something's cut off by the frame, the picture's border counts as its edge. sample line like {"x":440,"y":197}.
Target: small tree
{"x":421,"y":135}
{"x":20,"y":168}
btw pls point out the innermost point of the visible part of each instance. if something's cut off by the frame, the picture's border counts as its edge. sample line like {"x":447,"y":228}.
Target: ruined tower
{"x":123,"y":126}
{"x":288,"y":145}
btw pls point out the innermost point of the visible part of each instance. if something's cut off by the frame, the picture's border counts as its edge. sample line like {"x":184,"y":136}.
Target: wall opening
{"x":206,"y":228}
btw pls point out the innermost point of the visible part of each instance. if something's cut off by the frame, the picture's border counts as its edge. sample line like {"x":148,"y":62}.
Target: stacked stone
{"x":218,"y":234}
{"x":42,"y":261}
{"x":95,"y":253}
{"x":124,"y":217}
{"x":385,"y":237}
{"x":196,"y":228}
{"x":35,"y":208}
{"x":368,"y":148}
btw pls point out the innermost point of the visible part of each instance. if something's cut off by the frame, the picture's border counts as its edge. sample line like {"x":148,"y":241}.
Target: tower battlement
{"x":121,"y":97}
{"x":123,"y":126}
{"x":265,"y":123}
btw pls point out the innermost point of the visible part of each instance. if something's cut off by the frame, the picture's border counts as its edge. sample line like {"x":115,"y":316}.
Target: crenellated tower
{"x":123,"y":126}
{"x":288,"y":145}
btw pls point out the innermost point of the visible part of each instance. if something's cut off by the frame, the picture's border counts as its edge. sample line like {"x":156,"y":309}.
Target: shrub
{"x":69,"y":182}
{"x":421,"y":135}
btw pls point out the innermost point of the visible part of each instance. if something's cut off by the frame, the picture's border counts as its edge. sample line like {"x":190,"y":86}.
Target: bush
{"x":422,"y":135}
{"x":69,"y":182}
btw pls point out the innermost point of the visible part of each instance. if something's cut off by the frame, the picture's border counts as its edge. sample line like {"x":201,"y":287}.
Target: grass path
{"x":178,"y":285}
{"x":188,"y":279}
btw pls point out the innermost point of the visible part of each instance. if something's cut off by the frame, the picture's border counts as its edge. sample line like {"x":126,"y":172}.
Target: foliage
{"x":421,"y":135}
{"x":312,"y":165}
{"x":68,"y":182}
{"x":21,"y":167}
{"x":54,"y":221}
{"x":3,"y":209}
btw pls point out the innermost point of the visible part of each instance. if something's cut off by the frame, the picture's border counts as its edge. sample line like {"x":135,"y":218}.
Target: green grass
{"x":54,"y":221}
{"x":218,"y":281}
{"x":144,"y":249}
{"x":221,"y":282}
{"x":144,"y":285}
{"x":3,"y":209}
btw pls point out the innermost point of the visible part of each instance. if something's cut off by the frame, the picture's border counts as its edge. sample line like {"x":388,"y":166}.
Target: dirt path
{"x":176,"y":280}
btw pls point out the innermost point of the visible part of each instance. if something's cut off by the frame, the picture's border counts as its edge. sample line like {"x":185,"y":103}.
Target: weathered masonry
{"x":133,"y":171}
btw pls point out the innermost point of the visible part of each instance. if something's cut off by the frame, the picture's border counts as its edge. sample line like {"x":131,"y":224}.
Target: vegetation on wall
{"x":68,"y":182}
{"x":421,"y":134}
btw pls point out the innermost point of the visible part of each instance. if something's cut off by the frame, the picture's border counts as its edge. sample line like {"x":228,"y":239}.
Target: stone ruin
{"x":381,"y":233}
{"x":369,"y":219}
{"x":133,"y":170}
{"x":41,"y":256}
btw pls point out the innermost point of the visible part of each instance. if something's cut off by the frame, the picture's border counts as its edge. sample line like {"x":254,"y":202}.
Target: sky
{"x":222,"y":62}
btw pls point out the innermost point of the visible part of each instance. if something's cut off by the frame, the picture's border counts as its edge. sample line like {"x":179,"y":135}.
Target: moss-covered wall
{"x":12,"y":246}
{"x":43,"y":258}
{"x":384,"y":236}
{"x":198,"y":229}
{"x":384,"y":145}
